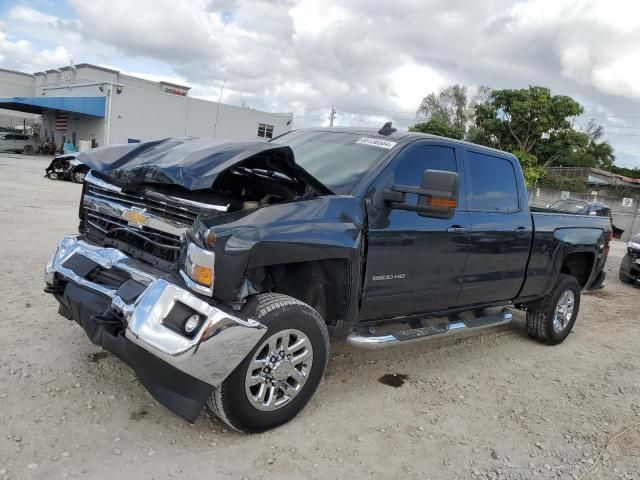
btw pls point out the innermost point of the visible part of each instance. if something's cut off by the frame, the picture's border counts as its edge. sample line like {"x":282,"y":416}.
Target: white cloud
{"x":315,"y":16}
{"x":22,"y":55}
{"x":371,"y":57}
{"x":410,"y":81}
{"x":619,"y":77}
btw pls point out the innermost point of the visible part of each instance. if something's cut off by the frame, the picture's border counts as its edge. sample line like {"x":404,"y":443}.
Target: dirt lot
{"x":495,"y":406}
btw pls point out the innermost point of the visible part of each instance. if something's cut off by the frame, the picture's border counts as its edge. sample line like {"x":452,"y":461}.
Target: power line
{"x":611,"y":116}
{"x":611,"y":126}
{"x":309,"y":116}
{"x":343,"y":107}
{"x":623,"y":134}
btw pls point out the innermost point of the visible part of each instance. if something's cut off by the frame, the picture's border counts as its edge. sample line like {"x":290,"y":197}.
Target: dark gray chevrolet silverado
{"x":218,"y":270}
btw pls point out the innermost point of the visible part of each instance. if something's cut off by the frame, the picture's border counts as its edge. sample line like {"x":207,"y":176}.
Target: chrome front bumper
{"x":221,"y":343}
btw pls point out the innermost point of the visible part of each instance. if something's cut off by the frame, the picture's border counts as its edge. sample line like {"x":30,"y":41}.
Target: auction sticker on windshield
{"x":377,"y":142}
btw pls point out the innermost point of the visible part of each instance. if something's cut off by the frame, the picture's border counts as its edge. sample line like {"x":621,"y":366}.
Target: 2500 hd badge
{"x":395,"y":276}
{"x":218,"y":270}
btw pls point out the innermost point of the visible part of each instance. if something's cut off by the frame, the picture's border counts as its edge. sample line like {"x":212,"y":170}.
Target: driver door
{"x":415,"y":263}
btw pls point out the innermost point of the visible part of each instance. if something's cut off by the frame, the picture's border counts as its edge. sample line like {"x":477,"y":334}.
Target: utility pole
{"x":332,"y":116}
{"x":215,"y":125}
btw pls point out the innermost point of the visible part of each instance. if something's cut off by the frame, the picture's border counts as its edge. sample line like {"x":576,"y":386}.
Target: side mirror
{"x":437,"y":195}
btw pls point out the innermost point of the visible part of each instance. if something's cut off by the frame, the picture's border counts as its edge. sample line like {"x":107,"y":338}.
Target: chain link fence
{"x":624,"y":210}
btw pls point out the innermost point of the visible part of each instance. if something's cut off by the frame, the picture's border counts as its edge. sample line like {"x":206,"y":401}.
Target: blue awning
{"x":94,"y":106}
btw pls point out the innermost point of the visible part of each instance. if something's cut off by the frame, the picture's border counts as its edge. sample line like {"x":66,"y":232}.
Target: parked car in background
{"x":581,"y":207}
{"x":630,"y":265}
{"x":67,"y":167}
{"x":16,"y":142}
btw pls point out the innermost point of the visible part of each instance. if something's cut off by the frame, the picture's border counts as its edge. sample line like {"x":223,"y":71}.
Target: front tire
{"x":551,"y":320}
{"x":282,"y":372}
{"x":623,"y":278}
{"x":78,"y":174}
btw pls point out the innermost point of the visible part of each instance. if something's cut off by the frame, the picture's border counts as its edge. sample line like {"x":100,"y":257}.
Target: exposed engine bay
{"x":143,"y":198}
{"x":240,"y":188}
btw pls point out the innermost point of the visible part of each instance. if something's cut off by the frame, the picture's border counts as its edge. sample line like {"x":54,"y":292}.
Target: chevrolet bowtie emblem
{"x":135,"y":218}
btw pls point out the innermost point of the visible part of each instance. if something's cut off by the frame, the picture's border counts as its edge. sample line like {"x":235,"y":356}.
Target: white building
{"x":103,"y":106}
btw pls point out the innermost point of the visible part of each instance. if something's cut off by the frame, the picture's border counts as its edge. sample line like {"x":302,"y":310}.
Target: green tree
{"x":531,"y":121}
{"x":531,"y":170}
{"x":597,"y":153}
{"x":436,"y":126}
{"x":450,"y":112}
{"x":522,"y":119}
{"x":627,"y":172}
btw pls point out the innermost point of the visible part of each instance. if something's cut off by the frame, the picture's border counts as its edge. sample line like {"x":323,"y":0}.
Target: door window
{"x":493,"y":183}
{"x":414,"y":162}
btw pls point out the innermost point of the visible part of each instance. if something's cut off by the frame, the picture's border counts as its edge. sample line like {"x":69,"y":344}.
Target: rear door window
{"x":493,"y":183}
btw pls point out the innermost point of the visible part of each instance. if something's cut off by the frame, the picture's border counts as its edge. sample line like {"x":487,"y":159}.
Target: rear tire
{"x":551,"y":320}
{"x":238,"y":401}
{"x":28,"y":150}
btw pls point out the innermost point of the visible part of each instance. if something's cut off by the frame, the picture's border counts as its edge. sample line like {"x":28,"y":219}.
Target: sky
{"x":373,"y":60}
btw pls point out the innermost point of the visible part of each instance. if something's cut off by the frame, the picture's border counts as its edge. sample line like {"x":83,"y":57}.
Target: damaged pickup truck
{"x":217,"y":270}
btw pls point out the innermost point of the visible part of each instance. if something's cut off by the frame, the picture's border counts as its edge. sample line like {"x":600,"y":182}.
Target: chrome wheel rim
{"x":278,"y":370}
{"x":564,"y":311}
{"x":78,"y":177}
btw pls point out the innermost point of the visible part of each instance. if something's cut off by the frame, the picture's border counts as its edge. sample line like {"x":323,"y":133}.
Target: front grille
{"x":166,"y":246}
{"x":149,"y":225}
{"x":160,"y":208}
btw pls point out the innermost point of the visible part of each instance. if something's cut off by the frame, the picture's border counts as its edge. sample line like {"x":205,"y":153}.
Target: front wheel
{"x":78,"y":174}
{"x":283,"y":371}
{"x":551,"y":320}
{"x":623,"y":278}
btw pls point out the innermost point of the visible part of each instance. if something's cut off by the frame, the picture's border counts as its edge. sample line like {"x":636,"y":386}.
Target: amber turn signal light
{"x":202,"y":275}
{"x":442,"y":202}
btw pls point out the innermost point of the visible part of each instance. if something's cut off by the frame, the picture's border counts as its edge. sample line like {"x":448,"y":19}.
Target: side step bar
{"x":372,"y":341}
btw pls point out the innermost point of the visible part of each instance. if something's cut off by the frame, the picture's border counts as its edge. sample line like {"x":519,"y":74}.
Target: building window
{"x":265,"y":130}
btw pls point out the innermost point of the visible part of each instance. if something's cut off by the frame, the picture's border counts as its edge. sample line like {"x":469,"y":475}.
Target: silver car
{"x":16,"y":142}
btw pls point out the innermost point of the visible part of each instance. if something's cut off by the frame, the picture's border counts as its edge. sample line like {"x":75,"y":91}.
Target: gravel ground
{"x":493,"y":406}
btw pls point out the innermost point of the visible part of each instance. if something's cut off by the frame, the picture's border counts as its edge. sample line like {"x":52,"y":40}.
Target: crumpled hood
{"x":192,"y":162}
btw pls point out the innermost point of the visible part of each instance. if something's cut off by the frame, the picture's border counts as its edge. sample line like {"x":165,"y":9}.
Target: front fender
{"x":320,"y":228}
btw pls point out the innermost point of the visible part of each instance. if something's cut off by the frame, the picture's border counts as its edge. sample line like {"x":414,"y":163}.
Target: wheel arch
{"x":324,"y":284}
{"x":579,"y":265}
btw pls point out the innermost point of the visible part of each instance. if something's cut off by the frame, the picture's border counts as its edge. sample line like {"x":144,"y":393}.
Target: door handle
{"x":521,"y":230}
{"x":456,"y":229}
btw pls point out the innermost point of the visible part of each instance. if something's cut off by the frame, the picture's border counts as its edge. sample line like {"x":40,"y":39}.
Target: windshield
{"x":334,"y":158}
{"x":568,"y":206}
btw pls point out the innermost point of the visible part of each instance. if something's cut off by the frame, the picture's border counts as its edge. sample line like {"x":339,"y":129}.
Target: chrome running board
{"x":403,"y":337}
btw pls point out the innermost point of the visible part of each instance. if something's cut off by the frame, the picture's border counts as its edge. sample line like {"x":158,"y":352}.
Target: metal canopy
{"x":94,"y":106}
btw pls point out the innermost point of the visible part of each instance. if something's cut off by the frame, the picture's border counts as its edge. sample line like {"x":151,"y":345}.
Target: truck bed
{"x":554,"y":235}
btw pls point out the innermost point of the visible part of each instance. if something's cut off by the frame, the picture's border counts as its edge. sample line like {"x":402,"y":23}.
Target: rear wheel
{"x":283,"y":371}
{"x":28,"y":149}
{"x":551,"y":320}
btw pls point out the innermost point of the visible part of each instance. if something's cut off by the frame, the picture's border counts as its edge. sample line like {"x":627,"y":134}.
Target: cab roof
{"x":399,"y":136}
